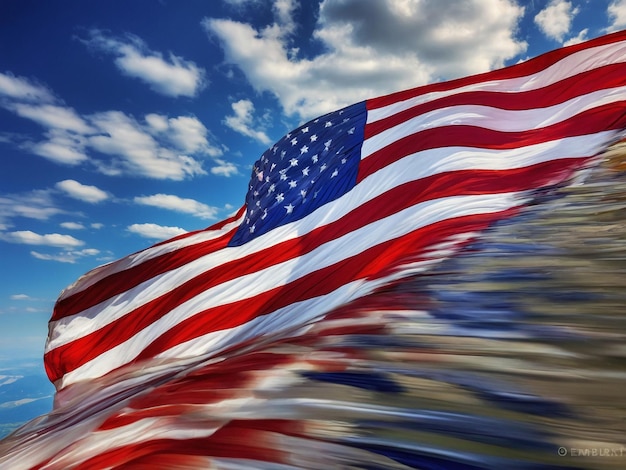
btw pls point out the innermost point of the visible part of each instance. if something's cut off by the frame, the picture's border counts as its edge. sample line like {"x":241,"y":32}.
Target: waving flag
{"x":336,"y":209}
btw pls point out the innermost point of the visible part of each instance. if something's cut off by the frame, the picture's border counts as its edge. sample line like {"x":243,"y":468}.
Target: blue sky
{"x":125,"y":123}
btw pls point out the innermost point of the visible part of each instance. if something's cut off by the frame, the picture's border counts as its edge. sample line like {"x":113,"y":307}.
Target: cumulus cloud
{"x":243,"y":121}
{"x":580,"y":37}
{"x":224,"y":168}
{"x":72,"y":225}
{"x":27,"y":237}
{"x":53,"y":116}
{"x":371,"y":47}
{"x":617,"y":14}
{"x":20,"y":297}
{"x":555,"y":20}
{"x":23,"y":89}
{"x":70,"y":256}
{"x":36,"y":204}
{"x":155,"y":232}
{"x":178,"y":204}
{"x":122,"y":136}
{"x":114,"y":142}
{"x":170,"y":76}
{"x":60,"y":146}
{"x":185,"y":133}
{"x":82,"y":192}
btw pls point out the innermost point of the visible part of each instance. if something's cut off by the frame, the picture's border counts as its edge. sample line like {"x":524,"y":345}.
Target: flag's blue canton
{"x":310,"y":166}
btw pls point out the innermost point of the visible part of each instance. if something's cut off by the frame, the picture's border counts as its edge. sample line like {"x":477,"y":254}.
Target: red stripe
{"x":72,"y":355}
{"x":318,"y":283}
{"x":529,"y":67}
{"x":609,"y":76}
{"x":121,"y":281}
{"x":607,"y":117}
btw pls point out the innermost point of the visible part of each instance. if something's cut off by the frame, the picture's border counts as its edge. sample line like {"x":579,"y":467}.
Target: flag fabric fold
{"x":338,"y":208}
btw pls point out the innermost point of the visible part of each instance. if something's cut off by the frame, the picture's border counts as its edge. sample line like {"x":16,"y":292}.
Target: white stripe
{"x":581,"y":61}
{"x":101,"y":272}
{"x":410,"y":168}
{"x":495,"y":119}
{"x":249,"y":286}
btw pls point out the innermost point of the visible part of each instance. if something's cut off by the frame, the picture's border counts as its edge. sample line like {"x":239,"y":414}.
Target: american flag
{"x":338,"y":208}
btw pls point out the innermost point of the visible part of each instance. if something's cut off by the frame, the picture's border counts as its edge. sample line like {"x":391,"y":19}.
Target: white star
{"x":314,"y":158}
{"x":335,"y":173}
{"x":303,"y":192}
{"x":305,"y":171}
{"x":293,"y":162}
{"x":292,"y":184}
{"x":294,"y":141}
{"x":282,"y":154}
{"x":343,"y":160}
{"x":289,"y":208}
{"x":252,"y":229}
{"x":323,"y":167}
{"x":264,"y":214}
{"x":280,"y":197}
{"x":267,"y":179}
{"x":273,"y":166}
{"x":258,"y":203}
{"x":304,"y":149}
{"x":256,"y":193}
{"x":313,"y":138}
{"x":351,"y":131}
{"x":328,"y":124}
{"x":327,"y":144}
{"x":272,"y":188}
{"x":283,"y":176}
{"x":305,"y":130}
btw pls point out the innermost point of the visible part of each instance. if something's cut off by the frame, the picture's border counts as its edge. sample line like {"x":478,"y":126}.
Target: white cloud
{"x":371,"y":47}
{"x":555,"y":20}
{"x":162,"y":147}
{"x":20,"y":88}
{"x":617,"y":14}
{"x":20,"y":297}
{"x":53,"y":117}
{"x":82,"y":192}
{"x":243,"y":121}
{"x":171,"y":76}
{"x":28,"y":237}
{"x":61,"y":147}
{"x":122,"y":136}
{"x":36,"y":204}
{"x":156,"y":232}
{"x":175,"y":203}
{"x":224,"y":168}
{"x":97,"y":225}
{"x":72,"y":226}
{"x":581,"y":37}
{"x":65,"y":256}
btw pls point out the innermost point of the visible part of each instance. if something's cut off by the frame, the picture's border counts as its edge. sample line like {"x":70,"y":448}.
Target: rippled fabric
{"x":459,"y":305}
{"x":506,"y":356}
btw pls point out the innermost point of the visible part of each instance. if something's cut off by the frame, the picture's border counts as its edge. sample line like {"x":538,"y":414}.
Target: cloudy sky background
{"x":125,"y":123}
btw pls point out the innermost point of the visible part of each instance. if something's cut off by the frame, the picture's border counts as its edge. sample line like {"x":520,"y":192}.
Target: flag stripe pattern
{"x":346,"y":204}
